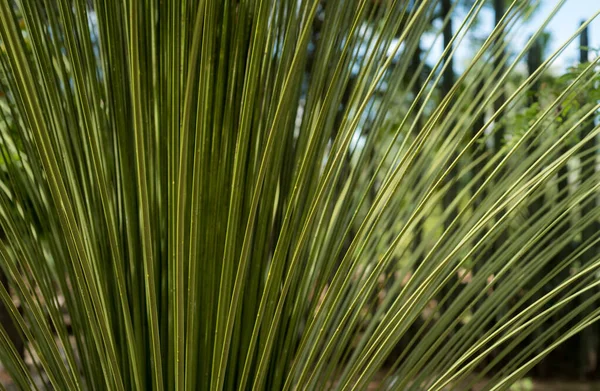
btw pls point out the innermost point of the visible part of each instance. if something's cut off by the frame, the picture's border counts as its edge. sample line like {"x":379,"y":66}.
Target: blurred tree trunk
{"x":499,"y":130}
{"x":478,"y":152}
{"x":448,"y":34}
{"x":499,"y":126}
{"x":448,"y":79}
{"x":534,"y":61}
{"x":588,"y":340}
{"x":414,"y":68}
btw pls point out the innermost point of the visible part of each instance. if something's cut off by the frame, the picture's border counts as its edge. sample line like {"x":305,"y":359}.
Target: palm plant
{"x":206,"y":195}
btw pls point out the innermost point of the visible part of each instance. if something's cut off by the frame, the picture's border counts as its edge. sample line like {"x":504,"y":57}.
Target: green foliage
{"x":248,"y":195}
